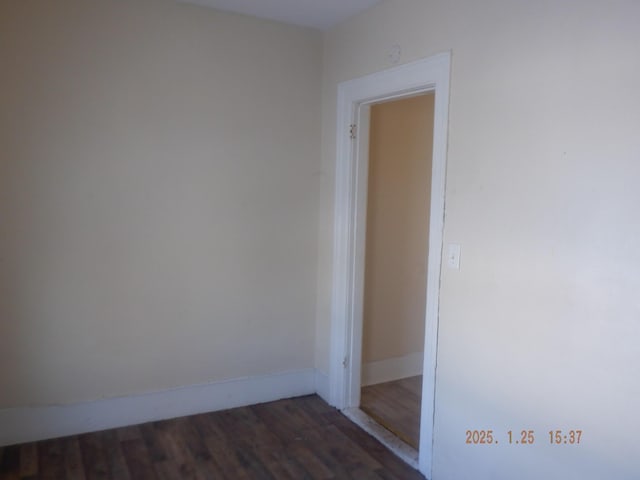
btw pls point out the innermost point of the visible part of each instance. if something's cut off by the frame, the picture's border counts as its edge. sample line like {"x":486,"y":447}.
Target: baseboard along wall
{"x":322,"y":386}
{"x":28,"y":424}
{"x":392,"y":369}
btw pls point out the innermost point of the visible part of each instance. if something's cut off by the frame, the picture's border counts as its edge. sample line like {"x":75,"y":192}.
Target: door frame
{"x":354,"y":99}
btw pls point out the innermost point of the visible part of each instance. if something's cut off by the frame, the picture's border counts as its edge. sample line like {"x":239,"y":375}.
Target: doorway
{"x":396,"y":248}
{"x":355,"y":98}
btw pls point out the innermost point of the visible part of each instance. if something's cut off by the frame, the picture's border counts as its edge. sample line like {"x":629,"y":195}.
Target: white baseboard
{"x":322,"y":385}
{"x":392,"y":369}
{"x":19,"y":425}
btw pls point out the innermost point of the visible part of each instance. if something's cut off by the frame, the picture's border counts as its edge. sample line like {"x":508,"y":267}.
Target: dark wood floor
{"x":301,"y":438}
{"x":396,"y":406}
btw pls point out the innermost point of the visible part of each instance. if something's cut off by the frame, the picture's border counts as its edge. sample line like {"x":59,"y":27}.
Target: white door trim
{"x":354,"y":98}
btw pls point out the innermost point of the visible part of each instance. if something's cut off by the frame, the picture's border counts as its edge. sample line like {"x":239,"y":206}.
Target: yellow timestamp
{"x":569,"y":437}
{"x":522,"y":437}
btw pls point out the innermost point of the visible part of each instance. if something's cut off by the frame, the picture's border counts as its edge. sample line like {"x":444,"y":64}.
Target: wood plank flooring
{"x":396,"y":406}
{"x":294,"y":439}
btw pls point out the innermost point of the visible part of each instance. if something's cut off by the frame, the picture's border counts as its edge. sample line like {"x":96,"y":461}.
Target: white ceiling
{"x":321,"y":14}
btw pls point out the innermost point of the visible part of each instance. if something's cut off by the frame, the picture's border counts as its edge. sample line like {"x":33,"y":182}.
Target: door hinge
{"x":352,"y":131}
{"x":345,"y":362}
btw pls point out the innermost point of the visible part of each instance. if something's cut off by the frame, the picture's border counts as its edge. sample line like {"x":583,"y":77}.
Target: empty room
{"x":188,"y":276}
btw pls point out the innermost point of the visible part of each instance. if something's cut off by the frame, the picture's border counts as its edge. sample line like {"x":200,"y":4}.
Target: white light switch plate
{"x":453,"y":256}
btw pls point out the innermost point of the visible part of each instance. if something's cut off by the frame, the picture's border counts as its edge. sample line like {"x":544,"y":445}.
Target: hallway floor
{"x":396,"y":406}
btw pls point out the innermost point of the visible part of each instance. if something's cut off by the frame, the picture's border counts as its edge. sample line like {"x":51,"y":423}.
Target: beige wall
{"x":539,"y":328}
{"x":158,"y":197}
{"x":401,"y":141}
{"x":158,"y":210}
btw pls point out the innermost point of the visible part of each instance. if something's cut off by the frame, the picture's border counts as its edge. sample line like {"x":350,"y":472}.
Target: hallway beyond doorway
{"x":396,"y":406}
